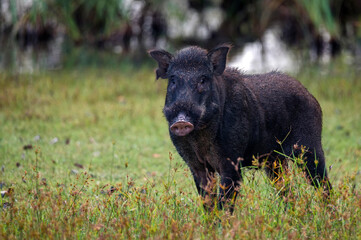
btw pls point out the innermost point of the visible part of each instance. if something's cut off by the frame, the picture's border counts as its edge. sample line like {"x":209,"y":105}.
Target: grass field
{"x":86,"y":154}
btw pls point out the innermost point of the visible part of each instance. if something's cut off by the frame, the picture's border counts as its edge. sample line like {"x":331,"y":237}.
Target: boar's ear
{"x":163,"y":58}
{"x":218,"y":58}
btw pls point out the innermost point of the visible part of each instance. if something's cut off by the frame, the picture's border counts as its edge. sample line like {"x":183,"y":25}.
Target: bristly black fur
{"x":238,"y":117}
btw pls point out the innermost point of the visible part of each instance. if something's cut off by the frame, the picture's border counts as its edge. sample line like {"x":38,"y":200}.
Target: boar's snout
{"x":181,"y":127}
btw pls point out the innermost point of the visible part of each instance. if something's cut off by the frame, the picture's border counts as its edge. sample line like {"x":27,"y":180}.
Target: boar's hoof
{"x":181,"y":128}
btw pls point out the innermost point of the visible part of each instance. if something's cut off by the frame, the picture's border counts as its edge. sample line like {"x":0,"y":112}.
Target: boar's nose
{"x":181,"y":128}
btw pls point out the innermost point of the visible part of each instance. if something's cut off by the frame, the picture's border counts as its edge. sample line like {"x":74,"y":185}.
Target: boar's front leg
{"x":206,"y":184}
{"x":228,"y":190}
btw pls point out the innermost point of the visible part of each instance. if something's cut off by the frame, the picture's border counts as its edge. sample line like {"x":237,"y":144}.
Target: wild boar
{"x":221,"y":119}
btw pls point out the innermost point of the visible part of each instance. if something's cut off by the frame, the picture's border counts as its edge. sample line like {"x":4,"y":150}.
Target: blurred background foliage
{"x":130,"y":27}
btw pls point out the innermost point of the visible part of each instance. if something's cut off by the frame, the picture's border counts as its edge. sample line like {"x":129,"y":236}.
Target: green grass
{"x":110,"y":123}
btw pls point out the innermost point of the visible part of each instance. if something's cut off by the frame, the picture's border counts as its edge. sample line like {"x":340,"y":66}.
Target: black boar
{"x":221,"y":119}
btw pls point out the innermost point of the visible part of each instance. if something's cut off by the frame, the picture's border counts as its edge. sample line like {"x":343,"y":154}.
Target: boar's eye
{"x":201,"y":84}
{"x":202,"y":80}
{"x":172,"y":82}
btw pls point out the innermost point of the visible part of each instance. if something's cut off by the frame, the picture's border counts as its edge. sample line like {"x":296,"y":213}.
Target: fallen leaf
{"x":78,"y":165}
{"x":97,"y":227}
{"x":28,"y":147}
{"x":121,"y":99}
{"x":54,"y":140}
{"x":156,"y":155}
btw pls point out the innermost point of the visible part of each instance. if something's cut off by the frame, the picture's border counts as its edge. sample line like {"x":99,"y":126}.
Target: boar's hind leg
{"x":316,"y":170}
{"x":314,"y":167}
{"x":313,"y":163}
{"x":276,"y":166}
